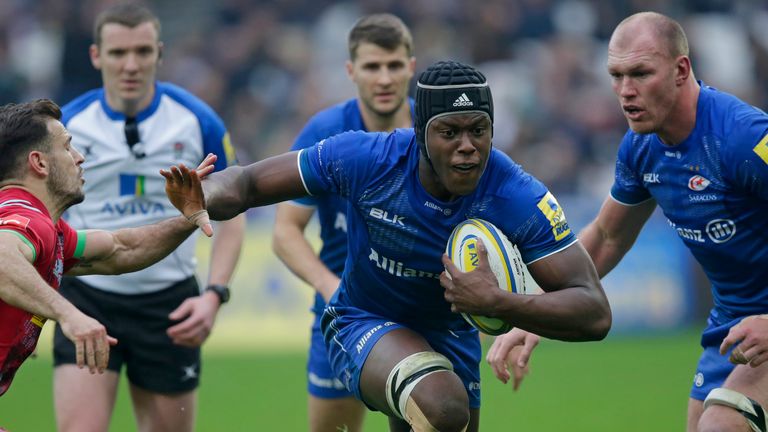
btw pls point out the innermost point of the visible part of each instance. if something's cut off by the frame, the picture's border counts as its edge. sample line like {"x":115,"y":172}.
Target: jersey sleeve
{"x":216,"y":140}
{"x":25,"y":228}
{"x":746,"y":156}
{"x":309,"y":136}
{"x":628,"y":186}
{"x":74,"y":244}
{"x":541,"y":228}
{"x":340,"y":164}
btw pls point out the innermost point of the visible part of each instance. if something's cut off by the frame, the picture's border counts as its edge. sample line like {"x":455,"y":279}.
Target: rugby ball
{"x":504,"y":258}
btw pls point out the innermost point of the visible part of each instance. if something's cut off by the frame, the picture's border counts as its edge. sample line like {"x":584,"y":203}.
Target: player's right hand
{"x":750,"y":336}
{"x":183,"y":188}
{"x":512,"y":350}
{"x":91,"y":341}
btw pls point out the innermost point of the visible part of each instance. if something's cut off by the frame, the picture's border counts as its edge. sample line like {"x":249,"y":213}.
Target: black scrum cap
{"x":448,"y":87}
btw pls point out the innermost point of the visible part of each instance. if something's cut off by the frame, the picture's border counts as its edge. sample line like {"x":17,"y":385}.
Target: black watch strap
{"x":222,"y":291}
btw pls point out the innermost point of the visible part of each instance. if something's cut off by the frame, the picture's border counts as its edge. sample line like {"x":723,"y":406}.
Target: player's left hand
{"x":198,"y":315}
{"x":473,"y":292}
{"x":512,"y":350}
{"x":183,"y":188}
{"x":751,"y":339}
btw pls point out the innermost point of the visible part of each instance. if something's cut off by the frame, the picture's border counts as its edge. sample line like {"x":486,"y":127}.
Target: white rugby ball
{"x":504,"y":258}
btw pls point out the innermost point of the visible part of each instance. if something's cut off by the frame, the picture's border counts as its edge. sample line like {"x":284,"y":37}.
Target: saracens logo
{"x":698,"y":183}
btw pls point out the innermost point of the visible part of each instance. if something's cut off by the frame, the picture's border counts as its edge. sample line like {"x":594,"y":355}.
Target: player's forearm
{"x":140,"y":247}
{"x":293,"y":249}
{"x":579,"y":313}
{"x":225,"y":252}
{"x":236,"y":189}
{"x":606,"y":252}
{"x":22,"y":287}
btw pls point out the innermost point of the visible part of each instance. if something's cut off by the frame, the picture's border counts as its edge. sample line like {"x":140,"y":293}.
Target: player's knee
{"x":446,"y":414}
{"x":728,"y":410}
{"x":422,"y":410}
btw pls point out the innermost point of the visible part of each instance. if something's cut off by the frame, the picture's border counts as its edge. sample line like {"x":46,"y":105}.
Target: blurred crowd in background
{"x":266,"y":66}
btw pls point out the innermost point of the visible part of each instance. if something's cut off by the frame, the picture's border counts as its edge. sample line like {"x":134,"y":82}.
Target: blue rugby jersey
{"x":713,"y":188}
{"x":398,"y":232}
{"x":331,"y":209}
{"x":122,"y":190}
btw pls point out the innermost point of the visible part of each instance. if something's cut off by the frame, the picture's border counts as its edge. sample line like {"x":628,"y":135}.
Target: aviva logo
{"x":471,"y":259}
{"x":132,"y":184}
{"x":762,"y":149}
{"x":554,"y":213}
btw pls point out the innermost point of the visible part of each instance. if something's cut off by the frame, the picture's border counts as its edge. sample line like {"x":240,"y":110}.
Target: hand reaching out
{"x":512,"y":350}
{"x":184,"y":190}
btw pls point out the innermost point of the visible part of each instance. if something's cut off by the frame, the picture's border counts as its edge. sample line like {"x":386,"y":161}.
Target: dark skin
{"x":459,"y":146}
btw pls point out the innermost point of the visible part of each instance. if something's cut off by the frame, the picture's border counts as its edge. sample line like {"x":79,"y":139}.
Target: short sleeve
{"x":627,"y":186}
{"x":746,"y":159}
{"x":339,"y":165}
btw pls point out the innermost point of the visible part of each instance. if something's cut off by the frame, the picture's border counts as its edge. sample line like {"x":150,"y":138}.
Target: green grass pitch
{"x":630,"y":384}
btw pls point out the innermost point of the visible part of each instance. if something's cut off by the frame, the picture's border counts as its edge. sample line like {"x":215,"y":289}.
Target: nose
{"x":465,"y":143}
{"x":626,"y":88}
{"x":131,"y":62}
{"x":385,"y":77}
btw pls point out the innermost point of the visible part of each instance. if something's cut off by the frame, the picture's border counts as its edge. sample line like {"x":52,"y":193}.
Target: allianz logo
{"x":651,"y":178}
{"x":380,"y":214}
{"x":717,"y":230}
{"x":433,"y":206}
{"x":398,"y":268}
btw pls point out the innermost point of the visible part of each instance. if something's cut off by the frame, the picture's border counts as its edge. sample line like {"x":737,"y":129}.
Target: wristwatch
{"x":222,"y":291}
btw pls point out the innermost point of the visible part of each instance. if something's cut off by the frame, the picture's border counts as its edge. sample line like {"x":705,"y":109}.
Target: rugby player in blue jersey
{"x":381,"y":64}
{"x":702,"y":156}
{"x":392,"y":333}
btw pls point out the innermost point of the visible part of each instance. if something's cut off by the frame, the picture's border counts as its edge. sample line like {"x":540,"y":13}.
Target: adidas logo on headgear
{"x":462,"y":100}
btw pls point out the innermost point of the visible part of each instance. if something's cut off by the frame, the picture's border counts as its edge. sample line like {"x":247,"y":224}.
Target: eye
{"x":447,"y":133}
{"x":479,"y":131}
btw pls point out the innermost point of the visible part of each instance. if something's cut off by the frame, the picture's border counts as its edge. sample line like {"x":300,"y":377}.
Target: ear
{"x":93,"y":52}
{"x":350,"y":68}
{"x":683,"y":69}
{"x":160,"y":49}
{"x":38,"y":163}
{"x":412,"y":65}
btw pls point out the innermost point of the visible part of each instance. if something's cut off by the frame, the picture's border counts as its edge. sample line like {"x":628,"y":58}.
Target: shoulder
{"x":727,"y":114}
{"x":194,"y":104}
{"x":79,"y":104}
{"x":507,"y":179}
{"x":337,"y":118}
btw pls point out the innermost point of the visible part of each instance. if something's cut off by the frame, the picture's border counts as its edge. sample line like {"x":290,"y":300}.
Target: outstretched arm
{"x":132,"y":249}
{"x":232,"y":191}
{"x":613,"y":232}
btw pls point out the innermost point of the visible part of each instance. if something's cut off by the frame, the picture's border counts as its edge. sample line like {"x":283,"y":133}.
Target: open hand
{"x":512,"y":350}
{"x":90,"y":338}
{"x":183,"y":188}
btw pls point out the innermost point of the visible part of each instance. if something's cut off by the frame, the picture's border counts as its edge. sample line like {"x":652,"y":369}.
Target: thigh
{"x":83,"y":401}
{"x":153,"y":361}
{"x":157,"y":412}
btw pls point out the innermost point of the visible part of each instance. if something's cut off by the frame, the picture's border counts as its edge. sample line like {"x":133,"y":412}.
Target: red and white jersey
{"x":55,"y":248}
